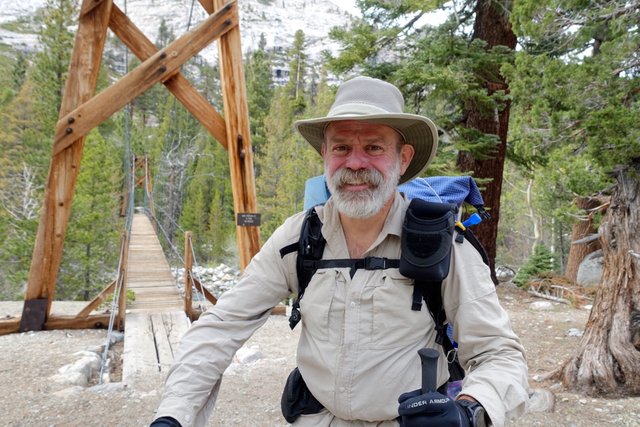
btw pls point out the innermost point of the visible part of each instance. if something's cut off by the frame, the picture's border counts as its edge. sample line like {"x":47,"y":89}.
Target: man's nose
{"x":356,"y":159}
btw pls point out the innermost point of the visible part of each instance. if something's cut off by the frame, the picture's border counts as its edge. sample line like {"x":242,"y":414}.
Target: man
{"x":358,"y":345}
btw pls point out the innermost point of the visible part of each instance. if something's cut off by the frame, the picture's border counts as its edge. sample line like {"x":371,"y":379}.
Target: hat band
{"x":357,"y":109}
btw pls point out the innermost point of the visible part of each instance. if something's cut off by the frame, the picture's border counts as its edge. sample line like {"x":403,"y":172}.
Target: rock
{"x":116,"y":337}
{"x":247,"y":355}
{"x":590,"y":269}
{"x":69,"y":392}
{"x":504,"y":273}
{"x":541,"y":400}
{"x":541,"y":305}
{"x":575,"y":332}
{"x":79,"y":372}
{"x":106,"y":388}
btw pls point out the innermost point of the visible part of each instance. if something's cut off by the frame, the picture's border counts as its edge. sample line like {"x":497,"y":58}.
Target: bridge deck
{"x":155,"y":321}
{"x":148,"y":272}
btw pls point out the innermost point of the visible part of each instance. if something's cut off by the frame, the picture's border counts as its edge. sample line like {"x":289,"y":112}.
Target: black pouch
{"x":297,"y":399}
{"x":427,"y":233}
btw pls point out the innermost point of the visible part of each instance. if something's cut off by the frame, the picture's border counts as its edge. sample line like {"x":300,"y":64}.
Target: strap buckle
{"x":375,"y":263}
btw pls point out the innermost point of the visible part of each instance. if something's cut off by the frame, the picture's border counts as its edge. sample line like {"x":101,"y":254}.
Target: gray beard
{"x":366,"y":203}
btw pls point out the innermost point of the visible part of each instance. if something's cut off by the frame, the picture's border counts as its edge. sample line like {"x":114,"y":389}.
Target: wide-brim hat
{"x":376,"y":101}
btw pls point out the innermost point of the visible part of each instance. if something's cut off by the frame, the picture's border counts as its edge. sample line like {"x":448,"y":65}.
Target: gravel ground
{"x":250,"y":394}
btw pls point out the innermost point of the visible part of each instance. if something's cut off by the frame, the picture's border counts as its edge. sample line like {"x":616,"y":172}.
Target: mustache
{"x":346,"y":176}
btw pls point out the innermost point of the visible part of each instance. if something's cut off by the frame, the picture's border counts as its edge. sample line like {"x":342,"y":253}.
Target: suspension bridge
{"x":159,"y":314}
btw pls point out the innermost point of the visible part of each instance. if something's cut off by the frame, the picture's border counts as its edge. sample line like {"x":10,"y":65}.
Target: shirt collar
{"x":332,"y":228}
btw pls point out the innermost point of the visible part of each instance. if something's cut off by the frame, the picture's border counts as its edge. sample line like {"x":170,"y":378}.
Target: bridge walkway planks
{"x":155,"y":321}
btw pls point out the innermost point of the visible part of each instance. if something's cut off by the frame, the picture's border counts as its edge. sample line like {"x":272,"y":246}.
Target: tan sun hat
{"x":376,"y":101}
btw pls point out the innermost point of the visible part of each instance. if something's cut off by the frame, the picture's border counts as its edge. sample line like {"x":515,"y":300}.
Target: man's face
{"x":363,"y":163}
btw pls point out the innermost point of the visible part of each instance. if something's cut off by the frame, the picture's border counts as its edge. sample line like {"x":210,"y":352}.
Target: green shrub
{"x":542,"y":261}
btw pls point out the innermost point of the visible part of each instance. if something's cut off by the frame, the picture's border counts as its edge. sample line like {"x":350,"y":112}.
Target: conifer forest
{"x":538,"y":100}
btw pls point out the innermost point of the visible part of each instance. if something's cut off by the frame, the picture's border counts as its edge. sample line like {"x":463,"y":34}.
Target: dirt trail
{"x":250,"y":394}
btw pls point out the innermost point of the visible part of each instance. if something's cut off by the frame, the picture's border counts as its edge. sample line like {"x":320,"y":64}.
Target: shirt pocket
{"x":317,"y":303}
{"x":394,"y":324}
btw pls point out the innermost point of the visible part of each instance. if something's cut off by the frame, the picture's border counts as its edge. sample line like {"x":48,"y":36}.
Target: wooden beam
{"x":157,"y":68}
{"x":238,"y":139}
{"x":9,"y":326}
{"x":122,"y":276}
{"x":207,"y":5}
{"x":84,"y":68}
{"x":72,"y":322}
{"x":207,"y":294}
{"x":179,"y":86}
{"x":188,"y":265}
{"x":99,"y":299}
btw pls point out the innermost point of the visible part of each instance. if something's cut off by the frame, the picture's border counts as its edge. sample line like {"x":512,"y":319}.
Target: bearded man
{"x":357,"y":353}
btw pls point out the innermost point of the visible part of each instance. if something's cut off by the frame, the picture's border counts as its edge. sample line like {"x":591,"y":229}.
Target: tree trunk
{"x":608,"y":358}
{"x":491,"y":25}
{"x":581,"y":229}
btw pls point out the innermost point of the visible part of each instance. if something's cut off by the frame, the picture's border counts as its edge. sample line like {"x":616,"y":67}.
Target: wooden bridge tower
{"x":82,"y":110}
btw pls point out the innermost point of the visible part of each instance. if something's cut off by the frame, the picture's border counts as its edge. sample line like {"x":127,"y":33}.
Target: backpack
{"x":427,"y":236}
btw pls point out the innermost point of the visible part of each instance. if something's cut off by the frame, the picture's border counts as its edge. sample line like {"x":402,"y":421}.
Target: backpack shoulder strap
{"x":310,"y":248}
{"x":431,"y":293}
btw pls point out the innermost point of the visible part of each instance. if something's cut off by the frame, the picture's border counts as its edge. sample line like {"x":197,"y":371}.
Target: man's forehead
{"x":347,"y":127}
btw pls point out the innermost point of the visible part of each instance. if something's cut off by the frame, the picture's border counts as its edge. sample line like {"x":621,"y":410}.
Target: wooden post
{"x":239,"y":148}
{"x":148,"y":187}
{"x":65,"y":165}
{"x":188,"y":265}
{"x":122,"y":277}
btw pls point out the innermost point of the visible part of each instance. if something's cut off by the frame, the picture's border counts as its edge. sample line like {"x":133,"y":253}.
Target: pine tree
{"x":297,"y":73}
{"x":19,"y":71}
{"x":20,"y":189}
{"x":207,"y":208}
{"x":91,"y":245}
{"x":576,"y":87}
{"x":287,"y":160}
{"x":259,"y":92}
{"x":51,"y":64}
{"x":451,"y":73}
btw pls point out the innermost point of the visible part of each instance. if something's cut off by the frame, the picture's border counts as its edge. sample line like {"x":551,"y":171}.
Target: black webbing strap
{"x":354,"y":264}
{"x":431,"y":293}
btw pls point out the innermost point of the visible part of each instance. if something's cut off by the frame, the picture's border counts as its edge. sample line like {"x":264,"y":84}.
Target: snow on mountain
{"x":278,"y":20}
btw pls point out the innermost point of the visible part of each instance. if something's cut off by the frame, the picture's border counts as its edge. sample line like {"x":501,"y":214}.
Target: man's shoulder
{"x":289,"y":231}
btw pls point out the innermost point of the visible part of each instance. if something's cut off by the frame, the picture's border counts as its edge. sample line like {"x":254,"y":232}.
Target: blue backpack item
{"x":438,"y":189}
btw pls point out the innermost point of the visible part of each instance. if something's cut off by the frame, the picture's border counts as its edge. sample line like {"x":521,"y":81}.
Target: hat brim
{"x":418,"y":131}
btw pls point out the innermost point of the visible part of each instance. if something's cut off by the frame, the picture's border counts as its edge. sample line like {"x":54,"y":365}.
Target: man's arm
{"x":488,"y":347}
{"x":208,"y":347}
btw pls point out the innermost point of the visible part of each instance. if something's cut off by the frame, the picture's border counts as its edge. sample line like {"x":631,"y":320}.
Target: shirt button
{"x":341,"y":389}
{"x":353,"y":304}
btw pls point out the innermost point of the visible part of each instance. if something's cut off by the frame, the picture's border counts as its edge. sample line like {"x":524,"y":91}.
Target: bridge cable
{"x":129,"y":164}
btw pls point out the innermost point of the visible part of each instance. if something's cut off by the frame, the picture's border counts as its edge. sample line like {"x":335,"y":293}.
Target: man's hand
{"x":431,"y":409}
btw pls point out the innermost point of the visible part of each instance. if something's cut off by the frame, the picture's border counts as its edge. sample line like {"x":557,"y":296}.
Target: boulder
{"x":590,"y":269}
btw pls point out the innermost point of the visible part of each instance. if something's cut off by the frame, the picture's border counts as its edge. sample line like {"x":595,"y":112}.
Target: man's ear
{"x":406,"y":154}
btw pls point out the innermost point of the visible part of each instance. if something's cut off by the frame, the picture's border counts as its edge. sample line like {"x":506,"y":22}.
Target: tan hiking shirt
{"x":359,"y":339}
